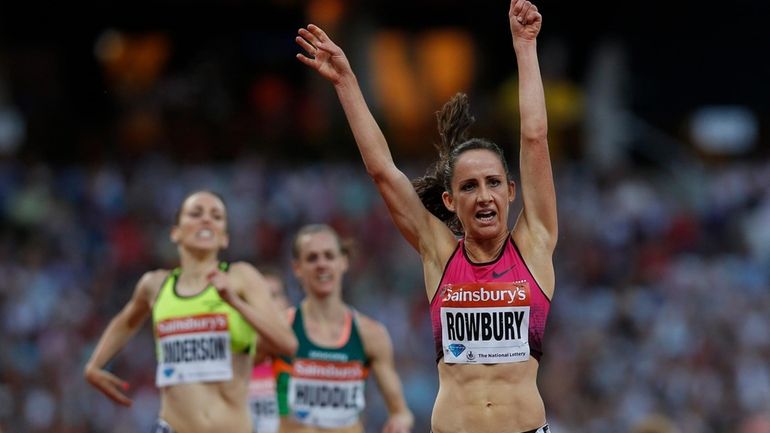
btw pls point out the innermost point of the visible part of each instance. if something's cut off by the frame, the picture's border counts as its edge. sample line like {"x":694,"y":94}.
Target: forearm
{"x":274,"y":331}
{"x":534,"y":121}
{"x":115,"y":337}
{"x":369,"y":138}
{"x":393,"y":393}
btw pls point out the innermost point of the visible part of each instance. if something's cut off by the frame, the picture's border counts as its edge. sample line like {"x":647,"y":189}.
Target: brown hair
{"x":345,"y":247}
{"x":178,"y":213}
{"x":454,"y":119}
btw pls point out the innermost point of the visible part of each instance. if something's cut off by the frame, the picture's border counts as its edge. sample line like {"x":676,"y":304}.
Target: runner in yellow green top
{"x":321,"y":388}
{"x":206,"y":316}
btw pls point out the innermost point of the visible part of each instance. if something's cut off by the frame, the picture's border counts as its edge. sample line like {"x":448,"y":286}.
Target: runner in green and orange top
{"x":321,"y":388}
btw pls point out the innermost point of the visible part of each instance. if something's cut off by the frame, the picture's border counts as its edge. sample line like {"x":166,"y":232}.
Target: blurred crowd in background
{"x":661,"y":317}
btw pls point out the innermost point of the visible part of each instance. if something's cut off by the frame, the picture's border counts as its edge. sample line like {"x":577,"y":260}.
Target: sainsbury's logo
{"x":183,"y":325}
{"x":482,"y":294}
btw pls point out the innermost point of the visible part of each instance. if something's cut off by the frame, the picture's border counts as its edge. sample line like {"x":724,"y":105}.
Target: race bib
{"x":485,"y":323}
{"x":193,"y":349}
{"x":264,"y":412}
{"x":262,"y":399}
{"x":326,"y":394}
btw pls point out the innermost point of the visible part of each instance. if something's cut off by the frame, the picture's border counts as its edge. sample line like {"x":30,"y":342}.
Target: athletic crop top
{"x":323,"y":387}
{"x":196,"y":335}
{"x":488,"y":313}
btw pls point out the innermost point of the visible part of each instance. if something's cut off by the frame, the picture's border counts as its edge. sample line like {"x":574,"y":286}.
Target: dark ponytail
{"x":454,"y":119}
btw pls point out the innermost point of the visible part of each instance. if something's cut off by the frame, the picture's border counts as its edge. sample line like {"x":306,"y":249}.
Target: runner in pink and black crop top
{"x":488,"y":308}
{"x":488,"y":313}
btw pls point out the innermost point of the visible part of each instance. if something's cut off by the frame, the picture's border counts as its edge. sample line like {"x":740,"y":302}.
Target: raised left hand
{"x":525,"y":20}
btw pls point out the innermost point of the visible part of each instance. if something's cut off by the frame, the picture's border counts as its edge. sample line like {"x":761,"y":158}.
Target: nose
{"x":484,"y":195}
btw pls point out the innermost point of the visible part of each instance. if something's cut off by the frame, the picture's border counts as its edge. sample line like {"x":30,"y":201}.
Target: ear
{"x":174,"y":234}
{"x":511,"y":191}
{"x":345,"y":263}
{"x":448,"y":201}
{"x":295,"y":268}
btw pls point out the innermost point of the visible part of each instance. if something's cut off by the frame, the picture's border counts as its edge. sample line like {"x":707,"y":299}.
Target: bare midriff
{"x":499,"y":398}
{"x":210,"y":406}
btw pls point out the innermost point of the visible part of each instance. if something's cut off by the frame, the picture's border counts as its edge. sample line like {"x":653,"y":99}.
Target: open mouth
{"x":204,"y":234}
{"x":486,"y":216}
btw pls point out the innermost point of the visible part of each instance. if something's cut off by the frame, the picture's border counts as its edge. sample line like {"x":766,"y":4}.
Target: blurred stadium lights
{"x":724,"y":129}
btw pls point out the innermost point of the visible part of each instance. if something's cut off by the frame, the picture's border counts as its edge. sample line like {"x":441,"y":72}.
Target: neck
{"x":197,"y":265}
{"x":485,"y":250}
{"x":328,"y":309}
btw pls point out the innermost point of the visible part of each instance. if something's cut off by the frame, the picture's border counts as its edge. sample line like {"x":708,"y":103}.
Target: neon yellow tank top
{"x":195,"y":336}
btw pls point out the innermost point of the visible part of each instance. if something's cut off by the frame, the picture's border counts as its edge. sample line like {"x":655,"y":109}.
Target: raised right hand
{"x":323,"y":54}
{"x":109,"y":384}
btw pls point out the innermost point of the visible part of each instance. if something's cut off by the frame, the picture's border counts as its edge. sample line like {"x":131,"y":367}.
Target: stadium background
{"x":659,"y":132}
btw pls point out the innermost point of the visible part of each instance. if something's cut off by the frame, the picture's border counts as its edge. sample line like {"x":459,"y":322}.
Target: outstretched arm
{"x":117,"y":334}
{"x":379,"y":349}
{"x":416,"y":223}
{"x":537,"y":227}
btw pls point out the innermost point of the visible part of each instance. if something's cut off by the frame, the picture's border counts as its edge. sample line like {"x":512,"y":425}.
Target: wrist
{"x":346,"y":81}
{"x":521,"y":44}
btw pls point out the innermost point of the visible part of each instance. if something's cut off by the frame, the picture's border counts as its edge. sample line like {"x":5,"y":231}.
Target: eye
{"x":312,"y":258}
{"x":467,"y":186}
{"x":330,"y":255}
{"x":494,"y":182}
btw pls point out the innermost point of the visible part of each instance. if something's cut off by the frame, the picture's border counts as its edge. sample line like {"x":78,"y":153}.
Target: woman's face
{"x":481,"y":194}
{"x":202,"y":224}
{"x":321,"y":264}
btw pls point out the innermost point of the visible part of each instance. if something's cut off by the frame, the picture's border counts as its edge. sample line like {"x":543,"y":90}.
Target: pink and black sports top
{"x":488,"y":313}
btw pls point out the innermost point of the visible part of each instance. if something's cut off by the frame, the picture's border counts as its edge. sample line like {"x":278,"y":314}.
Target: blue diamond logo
{"x":456,"y":349}
{"x":301,"y":414}
{"x":168,"y":371}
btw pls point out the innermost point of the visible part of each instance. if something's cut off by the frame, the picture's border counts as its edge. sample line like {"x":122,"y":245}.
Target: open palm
{"x":323,"y":54}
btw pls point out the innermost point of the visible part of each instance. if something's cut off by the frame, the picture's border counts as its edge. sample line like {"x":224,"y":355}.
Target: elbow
{"x":290,"y":345}
{"x":534,"y":135}
{"x":377,"y":173}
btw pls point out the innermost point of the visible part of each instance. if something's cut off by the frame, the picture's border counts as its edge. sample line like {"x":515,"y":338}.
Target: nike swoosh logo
{"x":496,"y":275}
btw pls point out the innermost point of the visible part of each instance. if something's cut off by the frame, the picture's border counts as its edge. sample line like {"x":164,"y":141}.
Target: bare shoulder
{"x":150,"y":283}
{"x":373,"y":333}
{"x":243,"y":268}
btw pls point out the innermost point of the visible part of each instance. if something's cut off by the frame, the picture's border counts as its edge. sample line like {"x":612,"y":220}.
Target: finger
{"x":318,"y":32}
{"x":306,"y":46}
{"x":306,"y":60}
{"x":516,"y":7}
{"x":309,"y":37}
{"x":212,"y":275}
{"x":536,"y":18}
{"x":522,"y":16}
{"x":117,"y":382}
{"x":533,"y":15}
{"x":113,"y":389}
{"x":118,"y":397}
